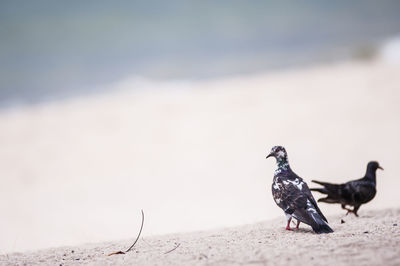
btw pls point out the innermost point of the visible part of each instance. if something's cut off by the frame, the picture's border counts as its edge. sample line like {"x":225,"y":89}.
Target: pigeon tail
{"x":321,"y":227}
{"x":320,"y":190}
{"x":312,"y":217}
{"x":318,"y":223}
{"x":334,"y":191}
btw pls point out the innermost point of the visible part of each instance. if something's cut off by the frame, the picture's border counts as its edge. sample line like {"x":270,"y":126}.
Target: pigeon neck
{"x":282,"y":163}
{"x":370,"y":174}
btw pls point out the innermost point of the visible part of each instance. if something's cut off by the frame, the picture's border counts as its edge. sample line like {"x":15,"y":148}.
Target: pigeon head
{"x":373,"y":166}
{"x":279,"y":153}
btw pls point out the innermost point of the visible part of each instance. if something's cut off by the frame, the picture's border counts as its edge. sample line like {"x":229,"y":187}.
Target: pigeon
{"x":353,"y":193}
{"x":292,"y":194}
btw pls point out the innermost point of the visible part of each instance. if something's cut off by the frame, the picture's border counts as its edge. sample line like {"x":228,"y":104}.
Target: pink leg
{"x":288,"y":225}
{"x":298,"y":223}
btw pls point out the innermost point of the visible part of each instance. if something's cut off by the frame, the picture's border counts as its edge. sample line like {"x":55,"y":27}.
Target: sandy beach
{"x":372,"y":239}
{"x":192,"y":155}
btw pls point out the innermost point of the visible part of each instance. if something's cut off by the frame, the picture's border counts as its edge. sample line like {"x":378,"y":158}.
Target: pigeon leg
{"x":298,"y":223}
{"x":353,"y":211}
{"x":347,"y":209}
{"x":356,"y":209}
{"x":288,"y":225}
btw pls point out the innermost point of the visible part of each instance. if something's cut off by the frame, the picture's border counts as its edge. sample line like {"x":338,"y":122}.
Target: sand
{"x":372,"y":239}
{"x":191,"y":153}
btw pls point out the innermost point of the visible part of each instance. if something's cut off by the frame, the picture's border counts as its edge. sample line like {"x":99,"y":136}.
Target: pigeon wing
{"x":295,"y":202}
{"x":363,"y":191}
{"x":349,"y":191}
{"x":306,"y":190}
{"x":287,"y":197}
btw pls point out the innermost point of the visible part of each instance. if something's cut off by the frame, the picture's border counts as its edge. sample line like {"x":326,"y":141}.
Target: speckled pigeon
{"x":292,"y":194}
{"x":353,"y":193}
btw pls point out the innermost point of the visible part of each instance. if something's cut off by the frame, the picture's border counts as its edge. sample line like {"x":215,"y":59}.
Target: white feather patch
{"x":310,"y":207}
{"x":299,"y":184}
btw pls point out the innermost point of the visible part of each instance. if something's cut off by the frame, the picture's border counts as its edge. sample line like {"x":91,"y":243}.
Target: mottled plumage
{"x":292,"y":194}
{"x":353,"y":193}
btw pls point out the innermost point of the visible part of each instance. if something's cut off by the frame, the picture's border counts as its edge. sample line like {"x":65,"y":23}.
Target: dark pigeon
{"x":292,"y":194}
{"x":353,"y":193}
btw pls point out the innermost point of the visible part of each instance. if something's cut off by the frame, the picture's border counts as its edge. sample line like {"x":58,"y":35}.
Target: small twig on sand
{"x":173,"y":248}
{"x":137,"y":238}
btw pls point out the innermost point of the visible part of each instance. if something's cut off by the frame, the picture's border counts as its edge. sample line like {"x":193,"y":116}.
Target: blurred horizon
{"x":62,"y":49}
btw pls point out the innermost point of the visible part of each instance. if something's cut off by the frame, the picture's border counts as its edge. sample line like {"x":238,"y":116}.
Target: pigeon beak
{"x":269,"y":155}
{"x":379,"y":167}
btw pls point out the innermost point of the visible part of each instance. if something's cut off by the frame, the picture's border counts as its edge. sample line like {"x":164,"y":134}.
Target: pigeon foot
{"x":351,"y":211}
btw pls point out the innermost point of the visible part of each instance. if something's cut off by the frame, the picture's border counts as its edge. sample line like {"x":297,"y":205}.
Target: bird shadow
{"x":300,"y":231}
{"x":303,"y":230}
{"x":345,"y":216}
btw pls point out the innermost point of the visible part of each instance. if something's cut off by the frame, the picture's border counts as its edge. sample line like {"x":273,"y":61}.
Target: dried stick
{"x":134,"y":243}
{"x":173,"y":248}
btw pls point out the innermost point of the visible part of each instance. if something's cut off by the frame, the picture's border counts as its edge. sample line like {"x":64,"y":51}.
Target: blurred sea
{"x":57,"y":49}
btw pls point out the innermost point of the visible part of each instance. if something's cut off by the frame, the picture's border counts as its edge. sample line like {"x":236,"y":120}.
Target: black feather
{"x":322,"y":229}
{"x":353,"y":193}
